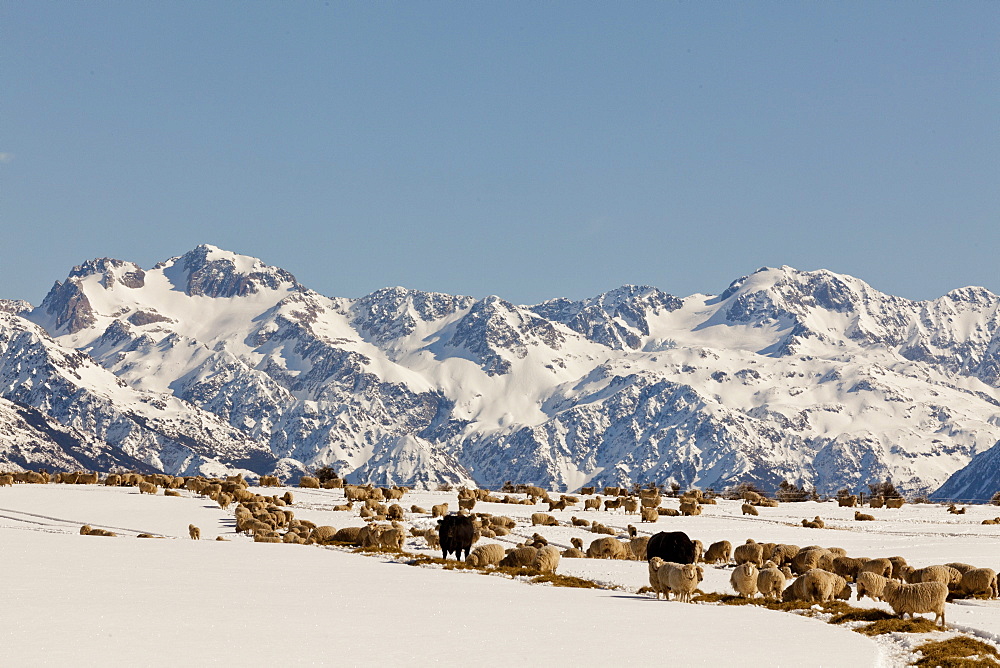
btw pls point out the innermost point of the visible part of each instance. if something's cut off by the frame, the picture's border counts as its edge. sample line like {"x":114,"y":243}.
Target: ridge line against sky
{"x":529,"y":151}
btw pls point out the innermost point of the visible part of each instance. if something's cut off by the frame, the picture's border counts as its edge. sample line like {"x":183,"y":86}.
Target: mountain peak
{"x":211,"y":271}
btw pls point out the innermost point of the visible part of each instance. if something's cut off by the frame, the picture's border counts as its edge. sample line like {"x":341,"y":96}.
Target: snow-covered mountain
{"x":812,"y":377}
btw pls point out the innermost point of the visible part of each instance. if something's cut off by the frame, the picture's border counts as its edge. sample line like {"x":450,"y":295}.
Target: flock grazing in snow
{"x":676,"y":563}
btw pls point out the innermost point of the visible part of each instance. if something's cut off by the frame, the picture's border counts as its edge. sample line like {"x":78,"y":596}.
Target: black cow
{"x":455,"y":533}
{"x":671,"y":546}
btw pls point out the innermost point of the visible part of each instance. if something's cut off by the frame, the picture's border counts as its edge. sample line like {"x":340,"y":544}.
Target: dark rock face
{"x":69,"y":306}
{"x":220,"y":278}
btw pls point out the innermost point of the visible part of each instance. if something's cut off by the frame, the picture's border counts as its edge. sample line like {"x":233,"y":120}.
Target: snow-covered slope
{"x":812,"y":377}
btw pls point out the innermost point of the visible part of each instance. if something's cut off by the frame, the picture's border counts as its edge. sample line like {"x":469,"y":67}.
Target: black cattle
{"x":671,"y":546}
{"x":455,"y":533}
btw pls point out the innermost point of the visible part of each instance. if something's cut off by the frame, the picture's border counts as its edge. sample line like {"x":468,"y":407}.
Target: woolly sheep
{"x":171,"y":492}
{"x":519,"y":556}
{"x":811,"y":557}
{"x":720,"y":551}
{"x":783,"y":553}
{"x":962,"y":568}
{"x":749,"y":510}
{"x":417,"y":510}
{"x":656,"y":564}
{"x":440,"y":510}
{"x":668,"y":512}
{"x":979,"y":581}
{"x":847,"y":501}
{"x":347,"y":535}
{"x":85,"y":530}
{"x":638,"y":546}
{"x":594,"y":503}
{"x":395,"y":512}
{"x":910,"y":599}
{"x":863,"y":517}
{"x":946,"y":575}
{"x":546,"y":559}
{"x":824,"y":585}
{"x":486,"y":555}
{"x":770,"y":583}
{"x":557,"y":505}
{"x":898,"y":503}
{"x":749,"y":552}
{"x":683,"y":581}
{"x":848,"y":567}
{"x":631,"y":505}
{"x":699,"y":550}
{"x":544,"y":520}
{"x":648,"y":514}
{"x":147,"y":488}
{"x":574,"y":553}
{"x":899,"y":565}
{"x":323,"y":534}
{"x":871,"y":585}
{"x":579,"y":523}
{"x":816,"y":523}
{"x":744,"y":579}
{"x":880,"y":566}
{"x":309,"y":482}
{"x":466,"y":504}
{"x":391,"y":538}
{"x":690,"y":508}
{"x":606,"y":548}
{"x":194,"y":532}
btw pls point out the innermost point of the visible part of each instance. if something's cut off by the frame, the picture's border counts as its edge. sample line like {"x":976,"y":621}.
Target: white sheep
{"x":909,"y":599}
{"x":825,"y":586}
{"x":749,"y":552}
{"x":194,"y":532}
{"x":543,"y":519}
{"x":744,"y":579}
{"x":720,"y":551}
{"x":946,"y":575}
{"x":489,"y":554}
{"x":980,"y":581}
{"x":683,"y":580}
{"x":871,"y":585}
{"x":770,"y":583}
{"x":749,"y":510}
{"x":881,"y":566}
{"x":546,"y":559}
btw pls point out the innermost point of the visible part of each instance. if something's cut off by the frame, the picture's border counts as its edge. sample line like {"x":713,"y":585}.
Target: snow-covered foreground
{"x":91,"y":600}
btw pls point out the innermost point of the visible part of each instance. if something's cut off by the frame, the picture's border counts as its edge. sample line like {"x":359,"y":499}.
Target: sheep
{"x":466,"y":504}
{"x":871,"y":585}
{"x":347,"y":535}
{"x":486,"y":555}
{"x":770,"y":583}
{"x":783,"y":553}
{"x":323,"y":534}
{"x":894,"y":503}
{"x":699,"y":550}
{"x":171,"y":492}
{"x":749,"y":510}
{"x":579,"y":523}
{"x":557,"y":505}
{"x":744,"y":579}
{"x":979,"y":581}
{"x":543,"y":519}
{"x":586,"y":490}
{"x":847,"y":501}
{"x":101,"y":532}
{"x":391,"y":538}
{"x":519,"y":557}
{"x":946,"y":575}
{"x":816,"y":523}
{"x":720,"y":551}
{"x":440,"y":510}
{"x":638,"y":546}
{"x":417,"y":510}
{"x":597,"y":527}
{"x":848,"y":567}
{"x":863,"y":517}
{"x":395,"y":513}
{"x":606,"y":548}
{"x":751,"y":497}
{"x":648,"y":514}
{"x":917,"y":598}
{"x":899,"y":566}
{"x":309,"y":482}
{"x":85,"y":530}
{"x":574,"y":553}
{"x":876,"y":502}
{"x":960,"y":567}
{"x":690,"y":508}
{"x":224,"y":500}
{"x":612,"y":504}
{"x":546,"y":559}
{"x":631,"y":505}
{"x":344,"y":507}
{"x":194,"y":532}
{"x":824,"y":586}
{"x":812,"y":557}
{"x":594,"y":503}
{"x":879,"y":566}
{"x":654,"y":566}
{"x":749,"y":552}
{"x":147,"y":488}
{"x":683,"y":581}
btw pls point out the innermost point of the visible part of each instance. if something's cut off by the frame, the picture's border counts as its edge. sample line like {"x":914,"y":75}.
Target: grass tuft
{"x":897,"y":625}
{"x":958,"y":652}
{"x":861,"y":615}
{"x":566,"y":581}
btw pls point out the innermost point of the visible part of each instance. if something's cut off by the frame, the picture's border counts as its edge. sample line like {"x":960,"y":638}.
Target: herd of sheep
{"x":773,"y":571}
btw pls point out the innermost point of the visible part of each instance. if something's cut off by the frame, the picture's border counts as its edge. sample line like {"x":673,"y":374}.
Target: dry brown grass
{"x":897,"y":625}
{"x":861,"y":615}
{"x":959,"y":652}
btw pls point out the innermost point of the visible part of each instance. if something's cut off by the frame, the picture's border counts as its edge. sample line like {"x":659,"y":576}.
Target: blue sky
{"x":529,"y":150}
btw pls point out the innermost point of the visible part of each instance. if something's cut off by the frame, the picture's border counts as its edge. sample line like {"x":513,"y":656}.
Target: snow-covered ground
{"x":90,"y":600}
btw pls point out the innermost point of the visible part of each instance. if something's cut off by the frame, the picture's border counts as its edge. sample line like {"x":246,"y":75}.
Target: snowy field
{"x":115,"y":601}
